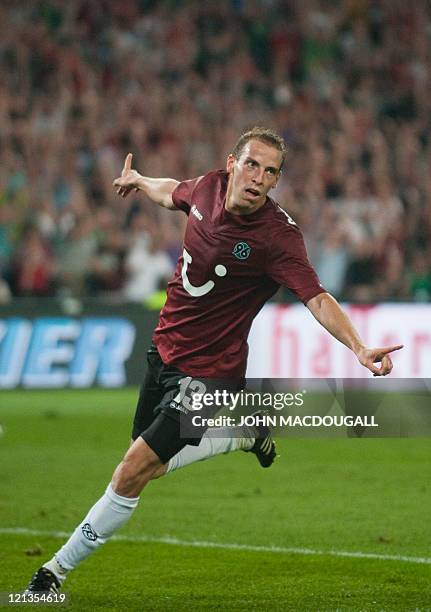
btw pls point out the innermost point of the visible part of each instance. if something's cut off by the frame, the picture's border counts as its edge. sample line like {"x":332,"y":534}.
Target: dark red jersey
{"x":230,"y":266}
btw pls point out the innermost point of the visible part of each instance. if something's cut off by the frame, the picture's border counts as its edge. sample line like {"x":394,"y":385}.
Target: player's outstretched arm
{"x":157,"y":189}
{"x":329,"y":313}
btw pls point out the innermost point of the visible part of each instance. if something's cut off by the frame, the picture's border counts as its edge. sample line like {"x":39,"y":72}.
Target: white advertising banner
{"x":287,"y":342}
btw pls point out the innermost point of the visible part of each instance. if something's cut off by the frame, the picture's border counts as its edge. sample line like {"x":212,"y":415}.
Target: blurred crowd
{"x":175,"y":82}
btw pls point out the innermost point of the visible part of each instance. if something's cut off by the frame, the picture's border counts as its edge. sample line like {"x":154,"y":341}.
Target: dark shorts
{"x":165,"y":408}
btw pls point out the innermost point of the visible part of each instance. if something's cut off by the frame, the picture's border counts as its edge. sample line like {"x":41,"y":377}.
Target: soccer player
{"x":239,"y":247}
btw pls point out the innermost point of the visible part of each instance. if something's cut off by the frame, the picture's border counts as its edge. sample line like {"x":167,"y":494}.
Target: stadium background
{"x":347,"y":84}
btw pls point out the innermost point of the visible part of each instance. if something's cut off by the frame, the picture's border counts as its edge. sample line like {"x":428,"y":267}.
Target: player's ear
{"x":230,"y":162}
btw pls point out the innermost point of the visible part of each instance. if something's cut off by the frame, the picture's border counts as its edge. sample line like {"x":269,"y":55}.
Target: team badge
{"x":241,"y":250}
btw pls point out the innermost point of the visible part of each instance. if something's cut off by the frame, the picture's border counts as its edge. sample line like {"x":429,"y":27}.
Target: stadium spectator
{"x":32,"y":266}
{"x":420,"y":278}
{"x":146,"y":265}
{"x":76,"y":254}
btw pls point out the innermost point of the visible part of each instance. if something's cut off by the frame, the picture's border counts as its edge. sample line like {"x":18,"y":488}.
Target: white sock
{"x":107,"y":515}
{"x":56,"y":569}
{"x":215,"y":441}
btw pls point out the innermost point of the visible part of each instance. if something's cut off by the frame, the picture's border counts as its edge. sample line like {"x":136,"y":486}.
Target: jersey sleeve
{"x":288,"y":264}
{"x":182,"y":194}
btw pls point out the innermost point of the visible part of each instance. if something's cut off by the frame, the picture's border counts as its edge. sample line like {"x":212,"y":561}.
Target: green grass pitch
{"x":59,"y":449}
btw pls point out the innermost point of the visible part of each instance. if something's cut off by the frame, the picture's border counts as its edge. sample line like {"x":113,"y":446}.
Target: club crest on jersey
{"x":241,"y":250}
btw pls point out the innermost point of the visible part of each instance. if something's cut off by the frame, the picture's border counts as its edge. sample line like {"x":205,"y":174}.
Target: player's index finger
{"x":391,"y":349}
{"x":385,"y":350}
{"x":128,"y":162}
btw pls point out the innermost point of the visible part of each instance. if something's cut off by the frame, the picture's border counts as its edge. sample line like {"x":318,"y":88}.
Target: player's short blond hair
{"x":264,"y":135}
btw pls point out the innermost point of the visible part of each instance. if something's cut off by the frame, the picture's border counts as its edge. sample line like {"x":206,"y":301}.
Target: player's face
{"x":252,"y":175}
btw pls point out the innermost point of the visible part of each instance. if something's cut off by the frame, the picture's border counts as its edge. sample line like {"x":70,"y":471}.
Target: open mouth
{"x":253,"y":192}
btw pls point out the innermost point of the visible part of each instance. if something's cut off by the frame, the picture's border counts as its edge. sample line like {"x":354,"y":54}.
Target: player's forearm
{"x":158,"y":189}
{"x":329,"y":313}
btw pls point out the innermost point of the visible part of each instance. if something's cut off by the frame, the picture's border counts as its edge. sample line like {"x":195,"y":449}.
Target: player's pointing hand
{"x":368,"y":357}
{"x":129,"y":178}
